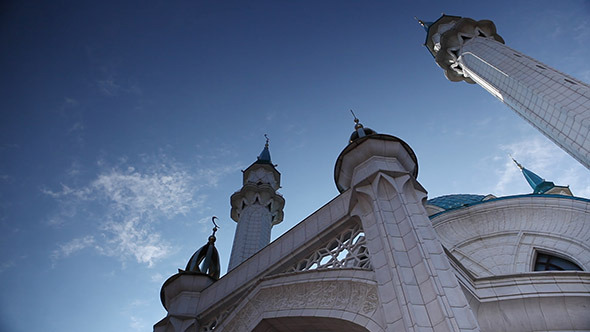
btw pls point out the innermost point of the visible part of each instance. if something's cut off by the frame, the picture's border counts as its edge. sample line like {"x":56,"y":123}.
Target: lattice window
{"x":348,"y":249}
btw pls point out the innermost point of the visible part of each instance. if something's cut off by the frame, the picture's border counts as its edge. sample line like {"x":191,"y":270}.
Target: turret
{"x":181,"y":293}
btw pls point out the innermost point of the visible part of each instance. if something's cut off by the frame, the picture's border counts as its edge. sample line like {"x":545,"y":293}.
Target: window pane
{"x":546,"y":262}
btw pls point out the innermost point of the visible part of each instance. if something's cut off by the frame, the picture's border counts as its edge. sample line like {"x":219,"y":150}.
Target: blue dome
{"x":448,"y":202}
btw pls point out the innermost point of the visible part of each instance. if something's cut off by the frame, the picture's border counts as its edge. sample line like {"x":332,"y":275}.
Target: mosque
{"x":381,"y":256}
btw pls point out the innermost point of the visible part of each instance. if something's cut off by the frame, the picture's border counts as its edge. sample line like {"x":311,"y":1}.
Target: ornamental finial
{"x":357,"y":124}
{"x":267,"y":140}
{"x":424,"y":25}
{"x":215,"y":226}
{"x":419,"y":21}
{"x":516,"y":162}
{"x":206,"y":259}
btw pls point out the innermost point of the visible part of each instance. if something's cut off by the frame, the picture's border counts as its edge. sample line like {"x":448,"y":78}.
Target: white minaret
{"x":556,"y":104}
{"x":256,"y":208}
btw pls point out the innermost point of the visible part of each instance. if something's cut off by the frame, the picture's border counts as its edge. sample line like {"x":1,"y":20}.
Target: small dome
{"x":362,"y":132}
{"x":206,"y":259}
{"x":359,"y":131}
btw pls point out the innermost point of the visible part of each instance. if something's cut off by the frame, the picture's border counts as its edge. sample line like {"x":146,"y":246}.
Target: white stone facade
{"x":372,"y":260}
{"x":556,"y":104}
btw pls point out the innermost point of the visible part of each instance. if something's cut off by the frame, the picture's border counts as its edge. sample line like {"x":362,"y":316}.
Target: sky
{"x":124,"y":126}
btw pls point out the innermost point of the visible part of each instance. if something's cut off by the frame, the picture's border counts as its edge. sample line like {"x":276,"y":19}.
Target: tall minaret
{"x":556,"y":104}
{"x":256,"y":208}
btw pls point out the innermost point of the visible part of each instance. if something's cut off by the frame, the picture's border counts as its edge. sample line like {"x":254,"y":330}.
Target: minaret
{"x":256,"y":208}
{"x":556,"y":104}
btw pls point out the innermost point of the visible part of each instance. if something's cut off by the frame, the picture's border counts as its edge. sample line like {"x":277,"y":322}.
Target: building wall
{"x":556,"y":104}
{"x":500,"y":237}
{"x":371,"y":260}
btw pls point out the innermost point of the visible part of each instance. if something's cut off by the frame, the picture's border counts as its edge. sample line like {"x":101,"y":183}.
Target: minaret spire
{"x":538,"y":184}
{"x":264,"y":156}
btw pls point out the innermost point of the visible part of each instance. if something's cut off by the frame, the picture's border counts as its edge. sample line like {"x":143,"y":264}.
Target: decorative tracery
{"x":213,"y":323}
{"x":346,"y":250}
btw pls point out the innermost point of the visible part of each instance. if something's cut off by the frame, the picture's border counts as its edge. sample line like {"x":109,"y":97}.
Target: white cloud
{"x":213,"y":175}
{"x":70,"y":102}
{"x":167,"y":192}
{"x":133,"y":239}
{"x":131,"y":201}
{"x":137,"y":323}
{"x":138,"y":303}
{"x":109,"y":87}
{"x":157,"y":278}
{"x":6,"y":265}
{"x":78,"y":126}
{"x":75,"y":245}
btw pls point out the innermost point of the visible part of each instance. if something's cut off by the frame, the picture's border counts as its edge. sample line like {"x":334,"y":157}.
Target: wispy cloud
{"x":157,"y":278}
{"x":6,"y":265}
{"x":130,"y":202}
{"x":134,"y":238}
{"x":78,"y":126}
{"x":111,"y":86}
{"x":75,"y":245}
{"x":137,"y":323}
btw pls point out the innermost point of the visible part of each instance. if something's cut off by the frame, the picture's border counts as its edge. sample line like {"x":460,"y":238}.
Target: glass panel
{"x":546,"y":262}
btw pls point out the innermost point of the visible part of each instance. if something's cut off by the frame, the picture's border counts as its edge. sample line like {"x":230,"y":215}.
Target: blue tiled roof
{"x":448,"y":202}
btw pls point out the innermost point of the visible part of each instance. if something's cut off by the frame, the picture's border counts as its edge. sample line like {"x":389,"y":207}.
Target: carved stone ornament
{"x":348,"y":296}
{"x":450,"y":39}
{"x":348,"y":249}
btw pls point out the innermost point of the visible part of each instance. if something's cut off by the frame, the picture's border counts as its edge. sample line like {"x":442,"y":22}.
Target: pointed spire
{"x":538,"y":184}
{"x":206,"y":259}
{"x":264,"y":157}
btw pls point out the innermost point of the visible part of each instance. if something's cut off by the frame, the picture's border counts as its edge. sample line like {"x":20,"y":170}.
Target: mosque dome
{"x":448,"y":202}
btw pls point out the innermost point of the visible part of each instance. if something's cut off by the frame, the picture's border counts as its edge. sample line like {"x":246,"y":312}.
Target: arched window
{"x":548,"y":262}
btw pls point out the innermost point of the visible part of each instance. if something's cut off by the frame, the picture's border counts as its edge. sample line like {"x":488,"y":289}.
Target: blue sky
{"x":124,"y":127}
